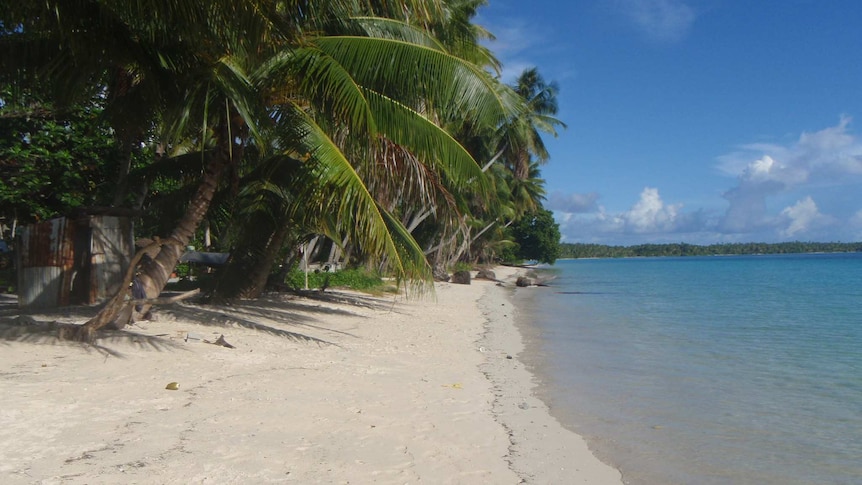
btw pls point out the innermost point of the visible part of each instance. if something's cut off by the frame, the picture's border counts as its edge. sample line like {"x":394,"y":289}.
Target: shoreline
{"x":542,"y":450}
{"x":340,"y":388}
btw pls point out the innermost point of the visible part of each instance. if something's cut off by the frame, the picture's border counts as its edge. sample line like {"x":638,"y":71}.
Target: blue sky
{"x":698,"y":121}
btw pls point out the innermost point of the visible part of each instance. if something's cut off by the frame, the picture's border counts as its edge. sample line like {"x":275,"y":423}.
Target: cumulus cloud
{"x":663,"y":20}
{"x":803,"y":218}
{"x":825,"y":156}
{"x":766,"y":171}
{"x":853,"y":227}
{"x":828,"y":157}
{"x":746,"y":211}
{"x":651,"y":214}
{"x":798,"y":190}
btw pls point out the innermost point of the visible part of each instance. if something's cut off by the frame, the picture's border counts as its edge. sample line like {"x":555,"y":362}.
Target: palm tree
{"x":344,"y":119}
{"x":227,"y":74}
{"x":175,"y":55}
{"x":519,"y":145}
{"x":527,"y":193}
{"x":335,"y":82}
{"x":521,"y":141}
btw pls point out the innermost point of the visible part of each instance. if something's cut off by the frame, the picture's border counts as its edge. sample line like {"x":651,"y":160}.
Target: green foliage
{"x":509,"y":253}
{"x":357,"y":279}
{"x":389,"y":116}
{"x":461,"y":266}
{"x":538,"y":237}
{"x":574,"y":251}
{"x":51,"y":162}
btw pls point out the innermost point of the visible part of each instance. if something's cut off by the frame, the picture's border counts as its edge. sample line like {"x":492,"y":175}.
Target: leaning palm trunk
{"x":154,"y":272}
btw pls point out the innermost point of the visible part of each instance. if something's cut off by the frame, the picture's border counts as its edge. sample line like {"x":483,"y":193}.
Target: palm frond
{"x":324,"y":81}
{"x":434,"y":145}
{"x":235,"y":85}
{"x":547,"y":123}
{"x":383,"y":28}
{"x":379,"y":235}
{"x":414,"y":73}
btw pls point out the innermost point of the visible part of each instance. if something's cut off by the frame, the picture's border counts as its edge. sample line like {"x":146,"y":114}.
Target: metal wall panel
{"x":73,"y":261}
{"x":111,"y":249}
{"x":45,"y":258}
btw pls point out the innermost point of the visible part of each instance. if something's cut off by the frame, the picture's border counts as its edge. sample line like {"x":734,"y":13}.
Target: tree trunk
{"x":113,"y":310}
{"x":335,"y":252}
{"x":261,"y":271}
{"x":246,"y":274}
{"x":154,"y":273}
{"x":493,"y":159}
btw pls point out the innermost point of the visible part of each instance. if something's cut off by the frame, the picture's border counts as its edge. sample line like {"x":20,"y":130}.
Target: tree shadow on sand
{"x":350,"y":299}
{"x":216,"y":316}
{"x":296,"y":310}
{"x":25,"y":329}
{"x":268,"y":315}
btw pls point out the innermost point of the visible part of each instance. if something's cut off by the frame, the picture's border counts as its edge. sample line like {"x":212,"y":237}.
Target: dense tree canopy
{"x":376,"y":126}
{"x":53,"y":162}
{"x":538,"y":237}
{"x":572,"y":251}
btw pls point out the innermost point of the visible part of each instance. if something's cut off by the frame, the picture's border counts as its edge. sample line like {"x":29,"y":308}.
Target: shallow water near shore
{"x":706,"y":370}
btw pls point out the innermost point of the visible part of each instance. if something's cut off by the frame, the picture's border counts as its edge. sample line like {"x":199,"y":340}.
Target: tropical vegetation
{"x":537,"y":238}
{"x":373,"y":132}
{"x":574,"y":251}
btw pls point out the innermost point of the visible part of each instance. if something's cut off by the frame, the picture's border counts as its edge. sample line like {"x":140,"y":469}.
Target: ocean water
{"x":713,"y":370}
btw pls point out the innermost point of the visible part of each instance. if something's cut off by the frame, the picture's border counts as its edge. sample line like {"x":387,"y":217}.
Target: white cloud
{"x":736,"y":163}
{"x":825,"y":156}
{"x":832,"y":139}
{"x":650,"y":214}
{"x":829,"y":157}
{"x":854,"y":227}
{"x":773,"y":199}
{"x":663,"y":20}
{"x":761,"y":168}
{"x":746,"y":212}
{"x":831,"y":153}
{"x":766,"y":171}
{"x":803,"y":218}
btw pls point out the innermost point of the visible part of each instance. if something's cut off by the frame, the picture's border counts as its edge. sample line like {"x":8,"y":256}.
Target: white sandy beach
{"x":343,"y":389}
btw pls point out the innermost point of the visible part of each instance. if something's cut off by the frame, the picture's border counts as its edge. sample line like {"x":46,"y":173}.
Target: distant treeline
{"x":572,"y":251}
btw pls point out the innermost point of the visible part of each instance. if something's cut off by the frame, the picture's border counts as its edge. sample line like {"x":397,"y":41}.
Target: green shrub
{"x":357,"y":279}
{"x":460,"y":266}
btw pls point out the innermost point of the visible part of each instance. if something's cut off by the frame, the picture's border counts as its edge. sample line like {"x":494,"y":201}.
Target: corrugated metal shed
{"x":68,"y":261}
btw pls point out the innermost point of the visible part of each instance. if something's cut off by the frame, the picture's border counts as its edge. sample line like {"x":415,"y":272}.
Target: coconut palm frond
{"x":424,"y":75}
{"x":432,"y":144}
{"x":324,"y":82}
{"x":359,"y":215}
{"x":384,"y":28}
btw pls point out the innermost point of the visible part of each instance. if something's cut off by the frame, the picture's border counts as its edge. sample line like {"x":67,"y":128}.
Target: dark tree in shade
{"x":538,"y":236}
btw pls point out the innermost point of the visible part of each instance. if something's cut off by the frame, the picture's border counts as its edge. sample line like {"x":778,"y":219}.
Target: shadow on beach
{"x":247,"y":317}
{"x":268,"y":314}
{"x":28,"y":330}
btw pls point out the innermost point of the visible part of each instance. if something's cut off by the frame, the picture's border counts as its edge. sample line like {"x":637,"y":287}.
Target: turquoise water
{"x":706,"y":370}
